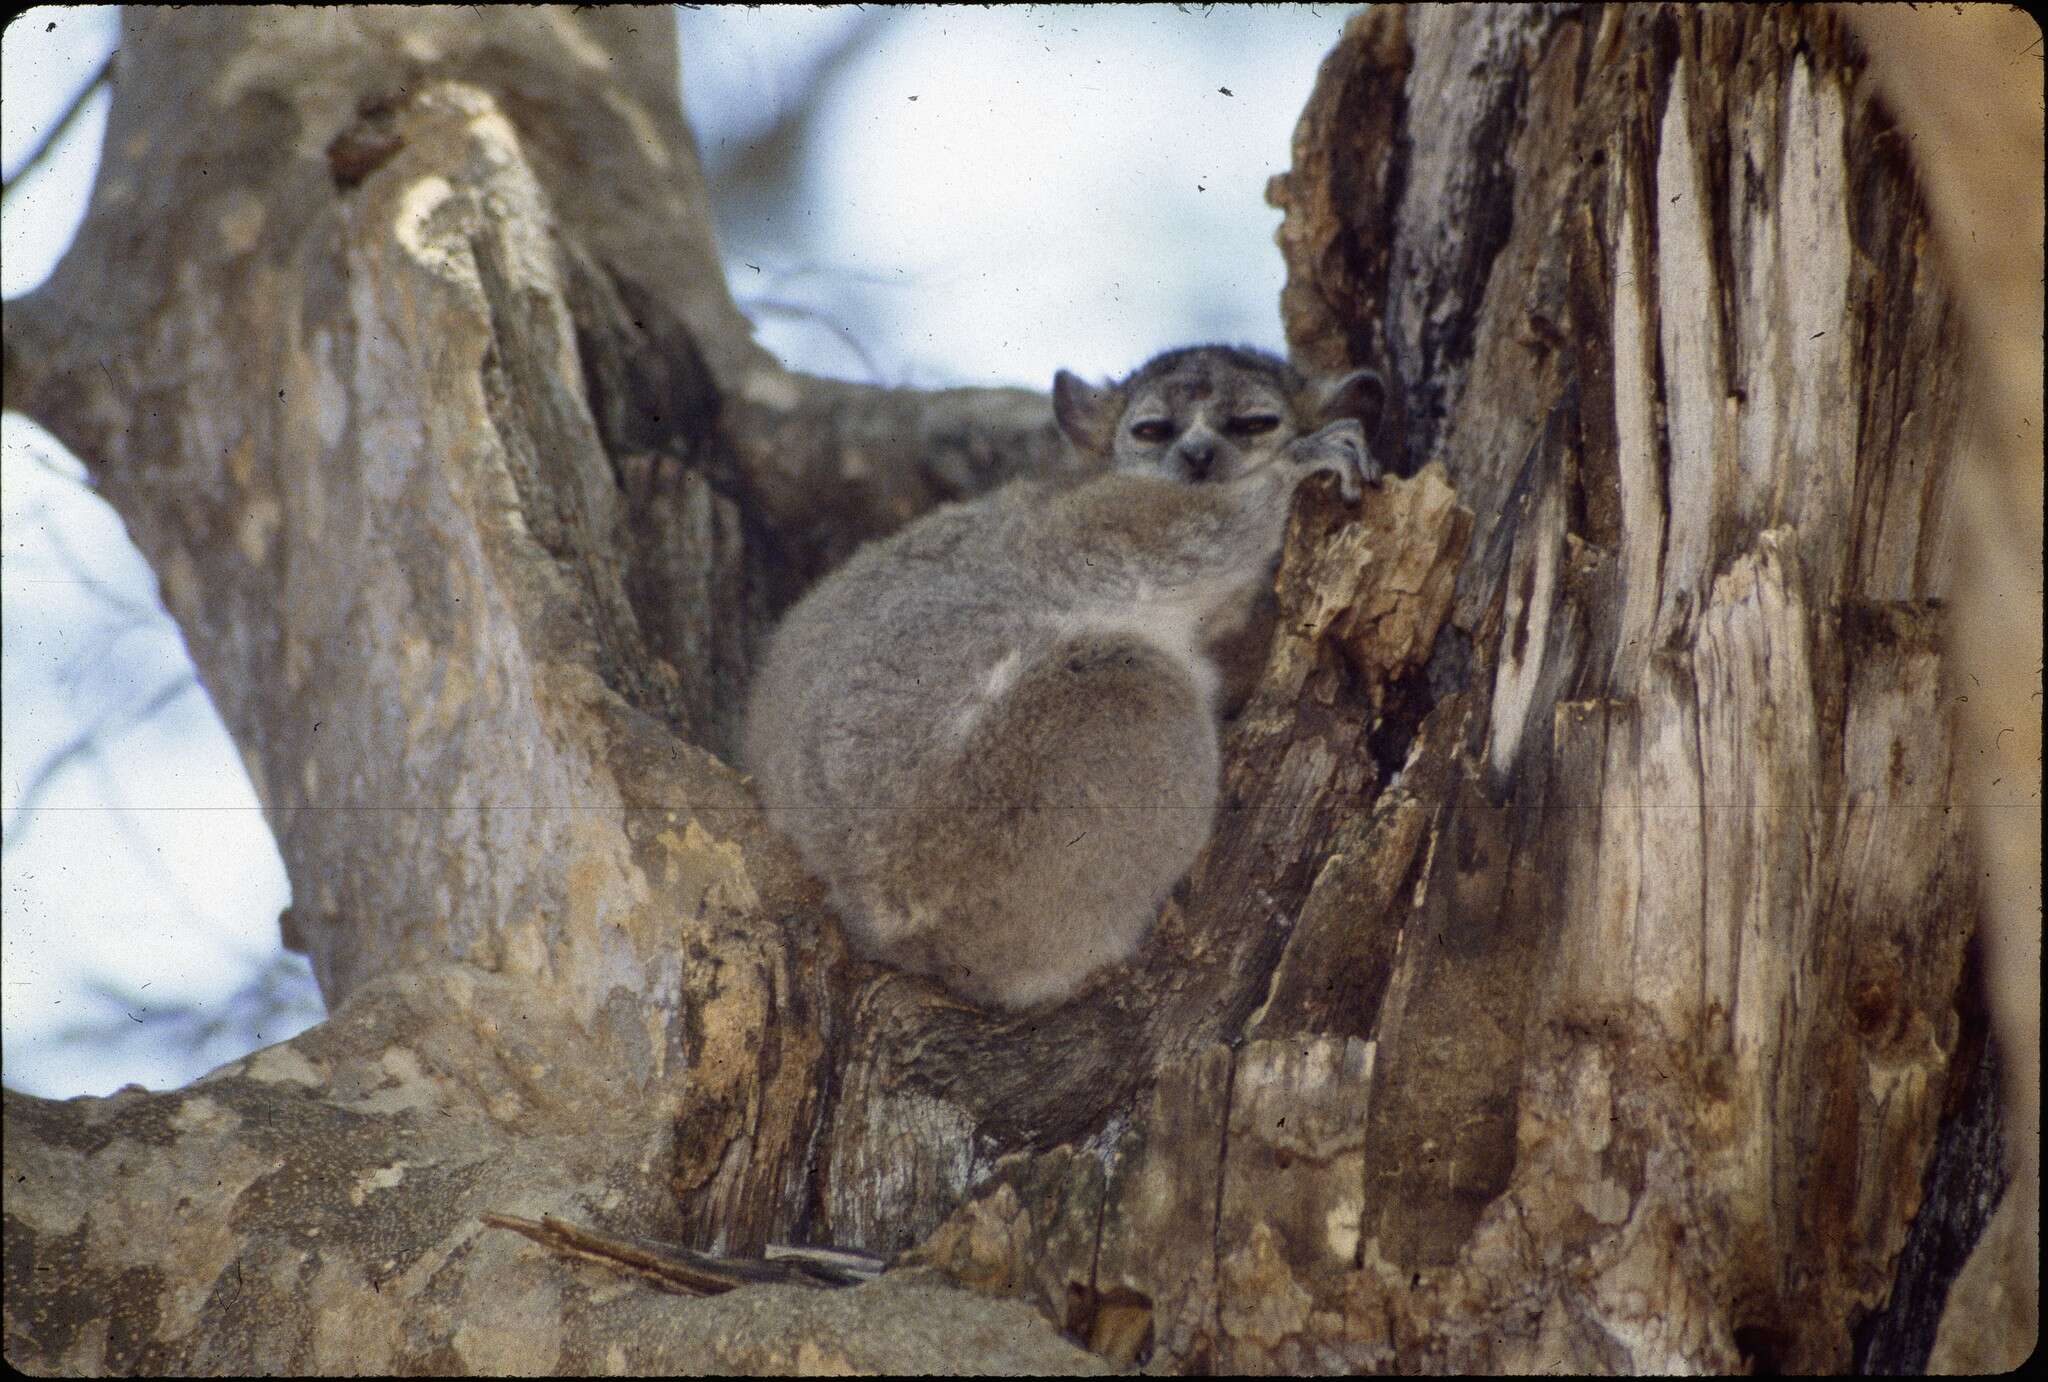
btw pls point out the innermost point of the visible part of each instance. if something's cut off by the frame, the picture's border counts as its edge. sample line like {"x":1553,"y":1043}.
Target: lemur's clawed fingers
{"x":1338,"y":449}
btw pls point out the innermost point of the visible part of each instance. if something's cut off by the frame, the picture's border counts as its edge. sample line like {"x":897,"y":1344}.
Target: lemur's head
{"x":1204,"y":413}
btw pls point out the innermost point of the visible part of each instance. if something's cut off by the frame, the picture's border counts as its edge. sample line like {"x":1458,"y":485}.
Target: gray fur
{"x":1204,"y":413}
{"x":994,"y":734}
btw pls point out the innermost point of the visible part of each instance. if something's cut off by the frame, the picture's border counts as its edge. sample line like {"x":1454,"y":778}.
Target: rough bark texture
{"x":1643,"y":1069}
{"x":1570,"y":982}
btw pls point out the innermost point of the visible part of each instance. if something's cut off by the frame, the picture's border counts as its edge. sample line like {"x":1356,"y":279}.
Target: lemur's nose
{"x":1198,"y":457}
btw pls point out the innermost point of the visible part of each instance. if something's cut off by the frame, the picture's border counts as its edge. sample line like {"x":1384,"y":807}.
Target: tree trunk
{"x":1569,"y":983}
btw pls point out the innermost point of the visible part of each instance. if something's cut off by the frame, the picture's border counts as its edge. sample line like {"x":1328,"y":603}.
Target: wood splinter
{"x":685,"y":1271}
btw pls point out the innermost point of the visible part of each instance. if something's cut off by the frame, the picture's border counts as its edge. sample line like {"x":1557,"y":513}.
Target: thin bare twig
{"x":57,"y":131}
{"x":273,"y":996}
{"x":85,"y":743}
{"x":802,"y":311}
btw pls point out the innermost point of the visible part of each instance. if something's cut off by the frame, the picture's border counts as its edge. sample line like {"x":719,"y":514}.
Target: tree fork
{"x":1573,"y":982}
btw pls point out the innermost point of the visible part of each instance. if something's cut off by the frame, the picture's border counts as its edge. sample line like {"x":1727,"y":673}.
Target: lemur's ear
{"x":1087,"y":413}
{"x":1360,"y":394}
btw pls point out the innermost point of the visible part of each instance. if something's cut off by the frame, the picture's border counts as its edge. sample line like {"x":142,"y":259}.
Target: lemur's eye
{"x":1152,"y":429}
{"x":1251,"y":425}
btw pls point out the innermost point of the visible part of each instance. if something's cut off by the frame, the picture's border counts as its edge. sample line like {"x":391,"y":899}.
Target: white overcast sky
{"x":992,"y":194}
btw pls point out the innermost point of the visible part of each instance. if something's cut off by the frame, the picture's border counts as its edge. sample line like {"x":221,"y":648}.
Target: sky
{"x":986,"y":195}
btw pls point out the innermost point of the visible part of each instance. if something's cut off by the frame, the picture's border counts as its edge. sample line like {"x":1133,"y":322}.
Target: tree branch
{"x":65,"y":120}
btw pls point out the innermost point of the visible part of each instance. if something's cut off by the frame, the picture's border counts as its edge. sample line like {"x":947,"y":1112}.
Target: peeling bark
{"x":1644,"y":1074}
{"x":1570,"y":981}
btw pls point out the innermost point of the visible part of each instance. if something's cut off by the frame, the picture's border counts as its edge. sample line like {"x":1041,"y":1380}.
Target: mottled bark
{"x":1570,"y":981}
{"x":398,"y":339}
